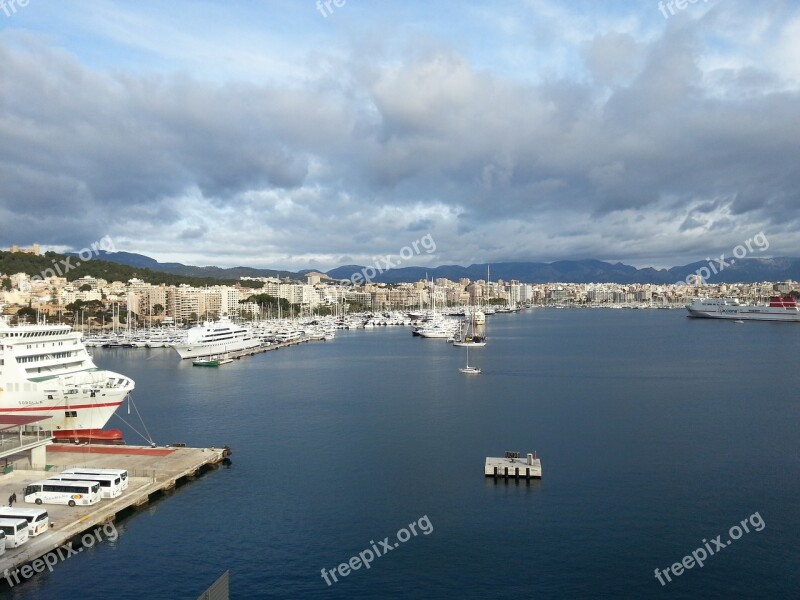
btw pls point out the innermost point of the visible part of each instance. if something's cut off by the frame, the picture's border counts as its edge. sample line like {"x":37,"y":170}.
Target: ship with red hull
{"x":780,"y":308}
{"x":47,"y":373}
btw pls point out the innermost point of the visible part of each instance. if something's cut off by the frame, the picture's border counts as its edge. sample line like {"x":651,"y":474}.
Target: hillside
{"x":72,"y":268}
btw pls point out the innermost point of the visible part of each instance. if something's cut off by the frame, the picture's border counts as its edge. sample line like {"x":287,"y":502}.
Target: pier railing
{"x":13,"y":440}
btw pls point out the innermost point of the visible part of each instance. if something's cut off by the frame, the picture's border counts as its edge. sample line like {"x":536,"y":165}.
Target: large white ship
{"x":779,"y":309}
{"x":46,"y":373}
{"x":217,"y":337}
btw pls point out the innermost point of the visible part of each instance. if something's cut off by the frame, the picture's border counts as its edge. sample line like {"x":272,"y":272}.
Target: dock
{"x":151,"y":473}
{"x":513,"y":465}
{"x":237,"y":354}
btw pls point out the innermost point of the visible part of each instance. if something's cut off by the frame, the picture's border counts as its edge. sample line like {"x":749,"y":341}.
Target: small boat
{"x":469,"y":370}
{"x":212,"y":361}
{"x":739,"y":321}
{"x":205,"y":362}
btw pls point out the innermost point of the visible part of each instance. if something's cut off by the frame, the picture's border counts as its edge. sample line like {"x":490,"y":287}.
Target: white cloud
{"x":283,"y":139}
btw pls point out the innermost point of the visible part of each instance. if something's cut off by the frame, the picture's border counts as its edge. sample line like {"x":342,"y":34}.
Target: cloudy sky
{"x":264,"y":133}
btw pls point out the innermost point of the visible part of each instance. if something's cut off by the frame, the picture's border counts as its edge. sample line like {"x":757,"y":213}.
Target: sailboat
{"x":469,"y":338}
{"x":469,"y":370}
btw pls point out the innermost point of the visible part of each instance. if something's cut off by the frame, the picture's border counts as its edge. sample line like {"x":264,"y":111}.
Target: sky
{"x":284,"y":134}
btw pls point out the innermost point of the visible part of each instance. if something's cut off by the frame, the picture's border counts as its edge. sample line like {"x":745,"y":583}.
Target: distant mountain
{"x":746,"y":270}
{"x":142,"y":261}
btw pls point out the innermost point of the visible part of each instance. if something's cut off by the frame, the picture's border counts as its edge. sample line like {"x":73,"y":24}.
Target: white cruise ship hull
{"x":67,"y":411}
{"x":745,"y":314}
{"x":211,"y":348}
{"x":779,"y":309}
{"x":47,"y":374}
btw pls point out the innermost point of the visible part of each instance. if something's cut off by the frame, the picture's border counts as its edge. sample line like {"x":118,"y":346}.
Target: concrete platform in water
{"x":151,"y":471}
{"x":513,"y":465}
{"x":275,"y":346}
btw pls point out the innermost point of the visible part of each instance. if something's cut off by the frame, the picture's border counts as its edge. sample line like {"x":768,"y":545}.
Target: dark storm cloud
{"x":646,"y":154}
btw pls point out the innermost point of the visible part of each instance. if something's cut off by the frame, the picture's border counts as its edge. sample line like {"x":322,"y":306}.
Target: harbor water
{"x":656,"y":432}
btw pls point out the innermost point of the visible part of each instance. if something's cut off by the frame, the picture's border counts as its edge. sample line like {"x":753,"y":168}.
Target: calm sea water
{"x":655,"y":432}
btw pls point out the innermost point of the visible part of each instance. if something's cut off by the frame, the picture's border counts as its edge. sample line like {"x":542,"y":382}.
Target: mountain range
{"x":746,"y":270}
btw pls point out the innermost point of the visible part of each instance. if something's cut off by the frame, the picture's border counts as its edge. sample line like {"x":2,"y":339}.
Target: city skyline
{"x":277,"y":135}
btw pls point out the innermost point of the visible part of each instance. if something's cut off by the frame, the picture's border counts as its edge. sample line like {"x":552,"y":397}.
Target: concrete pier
{"x":512,"y":465}
{"x":277,"y":346}
{"x":151,"y":471}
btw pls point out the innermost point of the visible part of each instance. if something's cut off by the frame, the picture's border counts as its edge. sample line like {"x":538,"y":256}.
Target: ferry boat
{"x":46,"y":373}
{"x":780,"y":308}
{"x":217,"y":337}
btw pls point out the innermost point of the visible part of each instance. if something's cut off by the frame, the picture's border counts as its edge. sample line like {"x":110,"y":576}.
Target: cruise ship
{"x":47,"y":374}
{"x":779,"y":309}
{"x":217,"y":337}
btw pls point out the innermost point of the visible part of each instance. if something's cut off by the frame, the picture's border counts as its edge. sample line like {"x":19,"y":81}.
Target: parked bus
{"x":53,"y":491}
{"x":110,"y":485}
{"x":15,"y":530}
{"x":37,"y":518}
{"x":123,"y":474}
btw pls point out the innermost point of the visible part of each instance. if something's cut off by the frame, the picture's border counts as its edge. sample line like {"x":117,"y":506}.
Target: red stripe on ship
{"x":60,"y":407}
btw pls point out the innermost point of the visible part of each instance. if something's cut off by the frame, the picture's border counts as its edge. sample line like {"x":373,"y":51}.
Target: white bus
{"x":110,"y":485}
{"x":16,"y":531}
{"x":123,"y":474}
{"x":37,"y":518}
{"x":53,"y":491}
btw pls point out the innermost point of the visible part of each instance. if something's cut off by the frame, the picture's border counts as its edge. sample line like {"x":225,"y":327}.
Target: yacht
{"x":217,"y":337}
{"x":48,"y":377}
{"x":477,"y":315}
{"x":441,"y":327}
{"x":468,"y":370}
{"x":469,"y":337}
{"x":159,"y":338}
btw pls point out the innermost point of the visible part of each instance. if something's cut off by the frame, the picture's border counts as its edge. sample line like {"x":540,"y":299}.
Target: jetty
{"x":237,"y":354}
{"x":513,"y":465}
{"x":152,"y":472}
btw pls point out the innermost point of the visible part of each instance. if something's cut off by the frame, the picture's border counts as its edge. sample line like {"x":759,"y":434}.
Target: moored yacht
{"x":217,"y":337}
{"x":441,"y":327}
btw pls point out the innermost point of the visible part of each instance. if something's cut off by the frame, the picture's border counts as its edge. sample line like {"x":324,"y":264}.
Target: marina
{"x":229,"y":357}
{"x":546,"y":384}
{"x":519,"y":228}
